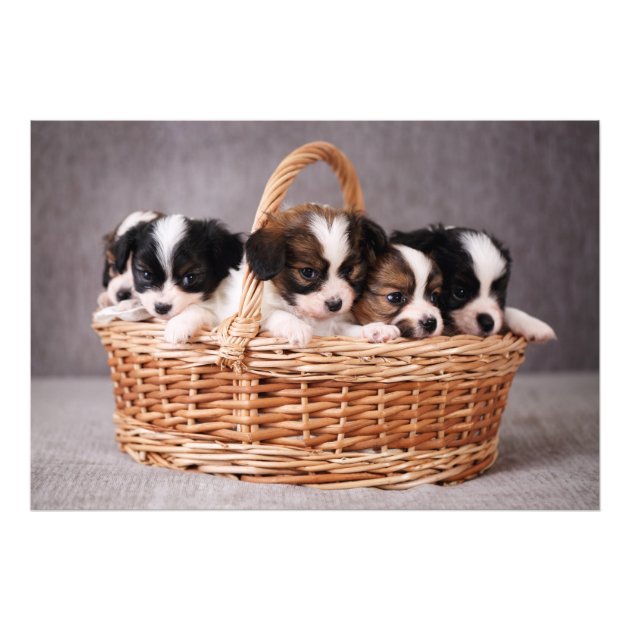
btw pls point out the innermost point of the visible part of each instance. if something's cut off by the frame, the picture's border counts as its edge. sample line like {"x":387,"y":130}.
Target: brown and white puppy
{"x":401,"y":297}
{"x":119,"y":286}
{"x":315,"y":259}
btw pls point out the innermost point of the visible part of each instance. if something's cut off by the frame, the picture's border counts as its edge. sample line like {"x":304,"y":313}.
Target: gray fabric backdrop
{"x":534,"y":184}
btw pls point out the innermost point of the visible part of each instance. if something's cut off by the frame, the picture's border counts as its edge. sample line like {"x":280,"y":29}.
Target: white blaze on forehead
{"x":488,"y":263}
{"x":133,"y":219}
{"x":420,"y":264}
{"x":333,"y":238}
{"x":418,"y":308}
{"x":168,"y":232}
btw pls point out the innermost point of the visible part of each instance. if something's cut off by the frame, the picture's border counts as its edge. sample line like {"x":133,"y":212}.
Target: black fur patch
{"x":200,"y":260}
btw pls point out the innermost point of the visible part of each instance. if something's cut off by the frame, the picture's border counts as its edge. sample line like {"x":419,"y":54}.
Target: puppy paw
{"x":532,"y":328}
{"x":542,"y":333}
{"x":378,"y":332}
{"x":297,"y":333}
{"x":177,"y":331}
{"x":536,"y":331}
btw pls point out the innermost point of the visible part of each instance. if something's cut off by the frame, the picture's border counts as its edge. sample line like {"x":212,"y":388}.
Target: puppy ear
{"x":265,"y":253}
{"x":108,"y":250}
{"x":123,"y":248}
{"x":373,"y":236}
{"x":226,"y":248}
{"x":425,"y":239}
{"x":106,"y":276}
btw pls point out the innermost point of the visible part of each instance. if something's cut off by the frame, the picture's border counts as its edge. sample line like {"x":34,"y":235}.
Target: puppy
{"x":315,"y":259}
{"x":401,"y":297}
{"x":179,"y":266}
{"x":476,"y":269}
{"x":119,"y":285}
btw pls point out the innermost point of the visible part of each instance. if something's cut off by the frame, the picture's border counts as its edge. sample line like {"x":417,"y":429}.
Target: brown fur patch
{"x":109,"y":270}
{"x":286,"y":244}
{"x":389,"y":274}
{"x":434,"y":282}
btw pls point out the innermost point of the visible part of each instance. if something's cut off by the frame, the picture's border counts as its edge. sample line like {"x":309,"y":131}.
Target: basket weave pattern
{"x":340,"y":413}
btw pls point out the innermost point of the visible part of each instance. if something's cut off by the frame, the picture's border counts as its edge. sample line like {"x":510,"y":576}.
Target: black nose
{"x":162,"y":309}
{"x":485,"y":321}
{"x":429,"y":324}
{"x":334,"y":305}
{"x":123,"y":294}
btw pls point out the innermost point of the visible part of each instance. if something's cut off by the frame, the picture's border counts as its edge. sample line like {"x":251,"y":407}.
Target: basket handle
{"x":236,"y":331}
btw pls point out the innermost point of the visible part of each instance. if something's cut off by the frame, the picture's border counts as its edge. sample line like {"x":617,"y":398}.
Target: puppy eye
{"x":459,"y":293}
{"x":396,"y":298}
{"x":308,"y":273}
{"x":435,"y":296}
{"x":147,"y":275}
{"x":189,"y":278}
{"x":346,"y":270}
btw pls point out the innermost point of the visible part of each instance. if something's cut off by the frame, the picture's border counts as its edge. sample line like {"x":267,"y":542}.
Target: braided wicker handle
{"x":237,"y":330}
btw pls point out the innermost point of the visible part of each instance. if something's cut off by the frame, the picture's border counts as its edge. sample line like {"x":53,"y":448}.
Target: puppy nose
{"x":485,"y":321}
{"x":429,"y":324}
{"x":123,"y":294}
{"x":334,"y":305}
{"x":162,"y":309}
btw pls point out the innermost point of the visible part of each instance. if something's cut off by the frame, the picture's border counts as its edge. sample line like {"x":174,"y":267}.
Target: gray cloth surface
{"x":534,"y":184}
{"x":548,"y":459}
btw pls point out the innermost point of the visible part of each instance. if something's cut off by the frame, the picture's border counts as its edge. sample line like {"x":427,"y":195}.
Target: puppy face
{"x":477,"y":288}
{"x":476,"y":270}
{"x":176,"y":261}
{"x":403,"y":288}
{"x":119,"y":285}
{"x":316,"y":257}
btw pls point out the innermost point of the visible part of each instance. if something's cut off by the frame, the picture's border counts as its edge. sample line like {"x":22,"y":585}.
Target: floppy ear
{"x":106,"y":276}
{"x":123,"y":248}
{"x":226,"y":249}
{"x":374,"y":236}
{"x":108,"y":245}
{"x":265,"y":253}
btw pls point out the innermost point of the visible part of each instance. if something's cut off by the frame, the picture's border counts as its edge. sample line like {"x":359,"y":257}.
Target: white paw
{"x":178,"y":331}
{"x":297,"y":332}
{"x":377,"y":332}
{"x":536,"y":331}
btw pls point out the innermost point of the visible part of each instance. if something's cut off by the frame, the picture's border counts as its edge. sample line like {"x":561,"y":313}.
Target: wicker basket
{"x":341,"y":413}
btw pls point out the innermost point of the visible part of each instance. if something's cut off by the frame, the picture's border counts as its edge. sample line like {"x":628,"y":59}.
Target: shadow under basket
{"x":339,"y":413}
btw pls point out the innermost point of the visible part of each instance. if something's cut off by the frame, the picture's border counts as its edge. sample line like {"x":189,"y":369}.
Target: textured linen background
{"x":534,"y":184}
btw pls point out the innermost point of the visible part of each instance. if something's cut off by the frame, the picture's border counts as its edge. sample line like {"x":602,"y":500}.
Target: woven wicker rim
{"x":333,"y":358}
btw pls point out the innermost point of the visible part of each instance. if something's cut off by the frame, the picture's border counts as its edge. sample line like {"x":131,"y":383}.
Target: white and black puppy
{"x":178,"y":266}
{"x":401,"y":296}
{"x":315,"y":259}
{"x":119,"y":286}
{"x":476,"y":270}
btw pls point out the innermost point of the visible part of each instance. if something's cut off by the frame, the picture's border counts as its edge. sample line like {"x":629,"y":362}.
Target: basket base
{"x":393,"y":469}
